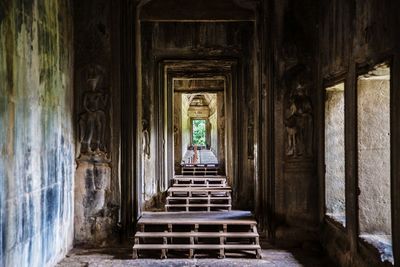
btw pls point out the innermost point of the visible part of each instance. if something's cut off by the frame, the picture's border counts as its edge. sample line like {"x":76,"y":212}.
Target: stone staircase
{"x":198,"y":220}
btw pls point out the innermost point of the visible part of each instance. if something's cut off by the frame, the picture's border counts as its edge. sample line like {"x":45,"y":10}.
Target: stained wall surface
{"x":36,"y":132}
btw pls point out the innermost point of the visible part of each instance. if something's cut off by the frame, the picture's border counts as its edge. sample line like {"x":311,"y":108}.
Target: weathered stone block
{"x":92,"y":224}
{"x":374,"y":155}
{"x":334,"y":152}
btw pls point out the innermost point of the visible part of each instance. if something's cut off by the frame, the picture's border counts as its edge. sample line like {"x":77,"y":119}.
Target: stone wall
{"x":214,"y":132}
{"x":295,"y":185}
{"x":221,"y":138}
{"x":185,"y":124}
{"x":334,"y":153}
{"x":374,"y":155}
{"x":177,"y":132}
{"x":36,"y":132}
{"x":97,"y":122}
{"x":353,"y":38}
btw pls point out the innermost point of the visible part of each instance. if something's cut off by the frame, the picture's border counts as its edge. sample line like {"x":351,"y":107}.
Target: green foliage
{"x":199,"y":132}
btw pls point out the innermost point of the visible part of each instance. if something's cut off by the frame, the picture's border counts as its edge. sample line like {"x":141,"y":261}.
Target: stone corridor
{"x":293,"y":106}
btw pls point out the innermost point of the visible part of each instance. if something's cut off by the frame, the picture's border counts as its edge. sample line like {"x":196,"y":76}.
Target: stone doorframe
{"x":130,"y":106}
{"x":219,"y":149}
{"x":168,"y":70}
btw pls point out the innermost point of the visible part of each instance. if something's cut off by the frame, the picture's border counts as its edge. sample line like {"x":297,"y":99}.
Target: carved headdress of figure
{"x":146,"y":138}
{"x":94,"y":76}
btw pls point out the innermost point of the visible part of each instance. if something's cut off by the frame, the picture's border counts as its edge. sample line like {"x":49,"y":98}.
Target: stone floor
{"x":205,"y":156}
{"x":121,"y":257}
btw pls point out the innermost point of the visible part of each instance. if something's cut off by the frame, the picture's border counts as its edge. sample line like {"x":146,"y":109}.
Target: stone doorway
{"x":218,"y":79}
{"x":217,"y":50}
{"x":199,"y":126}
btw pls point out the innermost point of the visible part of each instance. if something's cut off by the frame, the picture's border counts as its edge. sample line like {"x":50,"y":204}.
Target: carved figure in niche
{"x":92,"y":121}
{"x":176,"y":135}
{"x":176,"y":128}
{"x":146,"y":138}
{"x":250,"y":130}
{"x":298,"y":120}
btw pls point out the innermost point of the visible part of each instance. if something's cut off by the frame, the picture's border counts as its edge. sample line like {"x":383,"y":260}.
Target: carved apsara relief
{"x":96,"y":208}
{"x":92,"y":121}
{"x":146,"y":138}
{"x":298,"y":115}
{"x":177,"y":137}
{"x":250,"y":130}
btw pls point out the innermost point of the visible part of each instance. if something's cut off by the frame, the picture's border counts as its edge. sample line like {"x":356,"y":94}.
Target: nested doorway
{"x":199,"y":126}
{"x":194,"y":90}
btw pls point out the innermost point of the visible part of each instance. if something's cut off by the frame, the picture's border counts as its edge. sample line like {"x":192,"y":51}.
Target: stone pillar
{"x":97,"y":107}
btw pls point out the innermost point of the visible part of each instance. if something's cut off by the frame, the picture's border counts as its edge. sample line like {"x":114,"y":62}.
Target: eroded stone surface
{"x":334,"y":152}
{"x":93,"y":217}
{"x":374,"y":155}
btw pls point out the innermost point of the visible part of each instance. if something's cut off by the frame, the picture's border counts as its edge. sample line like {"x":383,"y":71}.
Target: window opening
{"x":199,"y":132}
